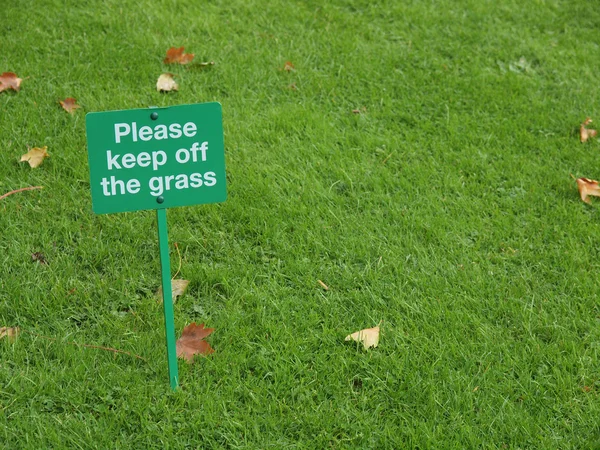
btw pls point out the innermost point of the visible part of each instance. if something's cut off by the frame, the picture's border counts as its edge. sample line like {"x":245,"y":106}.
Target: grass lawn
{"x":445,"y":208}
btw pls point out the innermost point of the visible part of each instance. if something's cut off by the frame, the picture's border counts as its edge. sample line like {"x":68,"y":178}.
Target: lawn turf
{"x":445,"y":208}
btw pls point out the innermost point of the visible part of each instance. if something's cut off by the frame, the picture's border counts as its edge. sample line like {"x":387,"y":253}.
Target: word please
{"x":146,"y":133}
{"x":156,"y":159}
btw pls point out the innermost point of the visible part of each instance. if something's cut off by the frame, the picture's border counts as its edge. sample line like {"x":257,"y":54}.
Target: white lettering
{"x":133,"y":186}
{"x":160,"y":132}
{"x":121,"y":129}
{"x":145,"y":133}
{"x":181,"y":181}
{"x":182,"y":156}
{"x":175,"y":130}
{"x":112,"y":161}
{"x":156,"y":186}
{"x":155,"y":162}
{"x":210,"y":179}
{"x":189,"y":129}
{"x":143,"y":159}
{"x":195,"y":180}
{"x":128,"y":160}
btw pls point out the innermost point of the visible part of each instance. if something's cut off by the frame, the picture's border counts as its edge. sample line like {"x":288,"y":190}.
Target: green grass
{"x":446,"y":210}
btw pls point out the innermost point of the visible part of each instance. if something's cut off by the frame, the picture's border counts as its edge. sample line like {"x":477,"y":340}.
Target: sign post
{"x":157,"y":158}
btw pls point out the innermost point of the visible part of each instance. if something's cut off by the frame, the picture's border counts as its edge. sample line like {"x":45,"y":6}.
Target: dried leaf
{"x":587,"y":187}
{"x":369,"y":337}
{"x":69,"y":104}
{"x":39,"y":257}
{"x":192,"y":342}
{"x":288,"y":66}
{"x":166,"y":83}
{"x":323,"y":285}
{"x":9,"y":80}
{"x":176,"y":55}
{"x":35,"y":156}
{"x":10,"y":332}
{"x":178,"y":287}
{"x":586,"y":133}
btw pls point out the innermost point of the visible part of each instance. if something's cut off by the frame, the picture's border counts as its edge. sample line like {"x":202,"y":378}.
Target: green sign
{"x":156,"y":158}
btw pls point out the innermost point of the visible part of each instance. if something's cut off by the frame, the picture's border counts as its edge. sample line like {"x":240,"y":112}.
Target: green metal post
{"x":165,"y":264}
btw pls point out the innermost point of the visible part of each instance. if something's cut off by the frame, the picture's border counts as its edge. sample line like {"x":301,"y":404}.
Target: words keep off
{"x":124,"y":132}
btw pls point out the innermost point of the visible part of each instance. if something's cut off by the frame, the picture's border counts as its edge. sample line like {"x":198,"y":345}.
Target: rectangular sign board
{"x":155,"y":158}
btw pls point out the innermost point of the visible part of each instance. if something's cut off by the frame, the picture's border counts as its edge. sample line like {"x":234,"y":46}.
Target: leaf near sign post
{"x":156,"y":158}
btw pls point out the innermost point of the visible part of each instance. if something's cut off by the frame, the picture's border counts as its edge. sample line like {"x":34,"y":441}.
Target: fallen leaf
{"x":39,"y":257}
{"x":359,"y":111}
{"x":69,"y":104}
{"x":369,"y":337}
{"x":10,"y":332}
{"x":192,"y":342}
{"x":35,"y":156}
{"x":521,"y":66}
{"x":176,"y":55}
{"x":587,"y":187}
{"x":586,"y":133}
{"x":178,"y":287}
{"x":323,"y":285}
{"x":166,"y":83}
{"x":288,"y":66}
{"x":9,"y":80}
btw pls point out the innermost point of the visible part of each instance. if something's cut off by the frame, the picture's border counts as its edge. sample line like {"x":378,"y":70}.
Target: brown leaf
{"x":176,"y":55}
{"x":192,"y":342}
{"x":69,"y":104}
{"x":39,"y":257}
{"x":587,"y":187}
{"x":35,"y":156}
{"x":369,"y":337}
{"x":166,"y":83}
{"x":9,"y":80}
{"x":586,"y":133}
{"x":10,"y":332}
{"x":288,"y":66}
{"x":178,"y":287}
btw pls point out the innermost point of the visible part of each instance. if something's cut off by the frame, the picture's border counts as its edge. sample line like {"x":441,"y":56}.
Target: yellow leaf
{"x":166,"y":83}
{"x":9,"y":332}
{"x":369,"y":337}
{"x":178,"y":287}
{"x":587,"y":187}
{"x":586,"y":133}
{"x":35,"y":156}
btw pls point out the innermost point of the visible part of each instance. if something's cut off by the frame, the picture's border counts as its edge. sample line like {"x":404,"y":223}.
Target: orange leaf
{"x":35,"y":156}
{"x":9,"y":80}
{"x":288,"y":66}
{"x":166,"y":83}
{"x":586,"y":133}
{"x":69,"y":104}
{"x":192,"y":342}
{"x":587,"y":187}
{"x":176,"y":55}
